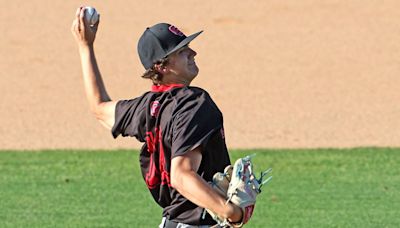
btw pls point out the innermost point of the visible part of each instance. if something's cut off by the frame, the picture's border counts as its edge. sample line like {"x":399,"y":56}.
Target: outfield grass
{"x":310,"y":188}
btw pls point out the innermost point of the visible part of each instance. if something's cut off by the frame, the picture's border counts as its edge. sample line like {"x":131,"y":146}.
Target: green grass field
{"x":310,"y":188}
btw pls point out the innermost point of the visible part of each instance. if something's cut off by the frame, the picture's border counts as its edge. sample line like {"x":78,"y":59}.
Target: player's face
{"x":182,"y":64}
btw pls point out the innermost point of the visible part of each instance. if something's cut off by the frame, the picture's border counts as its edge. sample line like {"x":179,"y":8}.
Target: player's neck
{"x":174,"y":79}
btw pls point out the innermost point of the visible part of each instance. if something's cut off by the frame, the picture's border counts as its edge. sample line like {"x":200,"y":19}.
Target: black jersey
{"x":170,"y":121}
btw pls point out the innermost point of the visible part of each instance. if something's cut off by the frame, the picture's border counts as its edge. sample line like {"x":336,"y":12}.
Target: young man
{"x":180,"y":126}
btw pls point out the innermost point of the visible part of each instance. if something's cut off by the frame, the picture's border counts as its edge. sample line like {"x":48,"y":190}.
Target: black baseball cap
{"x":160,"y":40}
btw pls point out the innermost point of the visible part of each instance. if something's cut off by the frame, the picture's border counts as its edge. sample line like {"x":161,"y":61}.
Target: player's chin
{"x":195,"y":73}
{"x":194,"y":70}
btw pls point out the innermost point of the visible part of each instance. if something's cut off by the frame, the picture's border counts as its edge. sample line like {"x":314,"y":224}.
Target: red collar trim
{"x":164,"y":88}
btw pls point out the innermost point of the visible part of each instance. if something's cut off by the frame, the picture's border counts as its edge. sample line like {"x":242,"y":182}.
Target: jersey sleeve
{"x":195,"y":123}
{"x":128,"y":116}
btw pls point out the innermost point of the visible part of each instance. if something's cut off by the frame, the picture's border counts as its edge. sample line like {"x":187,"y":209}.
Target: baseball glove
{"x":240,"y":187}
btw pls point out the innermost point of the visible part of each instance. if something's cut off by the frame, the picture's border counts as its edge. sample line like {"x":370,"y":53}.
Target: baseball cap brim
{"x":184,"y":42}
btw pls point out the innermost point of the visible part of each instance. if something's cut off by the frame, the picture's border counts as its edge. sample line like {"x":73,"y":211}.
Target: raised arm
{"x":99,"y":102}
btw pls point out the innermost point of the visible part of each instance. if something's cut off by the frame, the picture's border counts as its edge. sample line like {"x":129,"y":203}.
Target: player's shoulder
{"x":193,"y":96}
{"x":192,"y":91}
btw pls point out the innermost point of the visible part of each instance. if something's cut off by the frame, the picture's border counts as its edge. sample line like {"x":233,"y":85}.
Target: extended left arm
{"x":185,"y":179}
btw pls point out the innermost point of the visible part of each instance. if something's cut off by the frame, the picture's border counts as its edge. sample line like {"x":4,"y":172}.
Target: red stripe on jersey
{"x":165,"y":177}
{"x":153,"y":176}
{"x":164,"y":88}
{"x":156,"y":175}
{"x":151,"y":142}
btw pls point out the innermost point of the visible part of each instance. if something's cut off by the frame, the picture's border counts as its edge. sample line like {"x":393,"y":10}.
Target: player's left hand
{"x":242,"y":190}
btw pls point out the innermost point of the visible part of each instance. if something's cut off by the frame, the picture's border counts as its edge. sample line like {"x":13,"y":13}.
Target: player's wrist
{"x":236,"y":214}
{"x":85,"y":46}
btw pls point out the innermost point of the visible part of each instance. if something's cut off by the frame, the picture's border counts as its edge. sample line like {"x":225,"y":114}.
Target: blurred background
{"x":285,"y":74}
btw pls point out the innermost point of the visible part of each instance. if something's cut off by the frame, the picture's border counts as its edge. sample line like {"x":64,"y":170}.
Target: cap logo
{"x":175,"y":30}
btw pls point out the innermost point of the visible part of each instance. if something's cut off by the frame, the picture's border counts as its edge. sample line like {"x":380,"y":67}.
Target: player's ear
{"x":161,"y":69}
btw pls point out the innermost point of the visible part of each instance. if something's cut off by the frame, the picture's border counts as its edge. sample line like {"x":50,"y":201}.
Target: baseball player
{"x":180,"y":126}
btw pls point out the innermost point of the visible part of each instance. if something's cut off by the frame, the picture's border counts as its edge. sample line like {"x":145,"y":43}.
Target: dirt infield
{"x":284,"y":73}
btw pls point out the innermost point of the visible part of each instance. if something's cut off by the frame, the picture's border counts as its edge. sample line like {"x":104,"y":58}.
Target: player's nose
{"x":192,"y":52}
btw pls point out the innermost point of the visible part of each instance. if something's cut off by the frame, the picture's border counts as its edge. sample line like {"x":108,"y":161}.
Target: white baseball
{"x":91,"y":15}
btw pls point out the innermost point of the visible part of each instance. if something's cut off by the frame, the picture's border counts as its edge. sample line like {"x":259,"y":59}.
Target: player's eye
{"x":184,"y":48}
